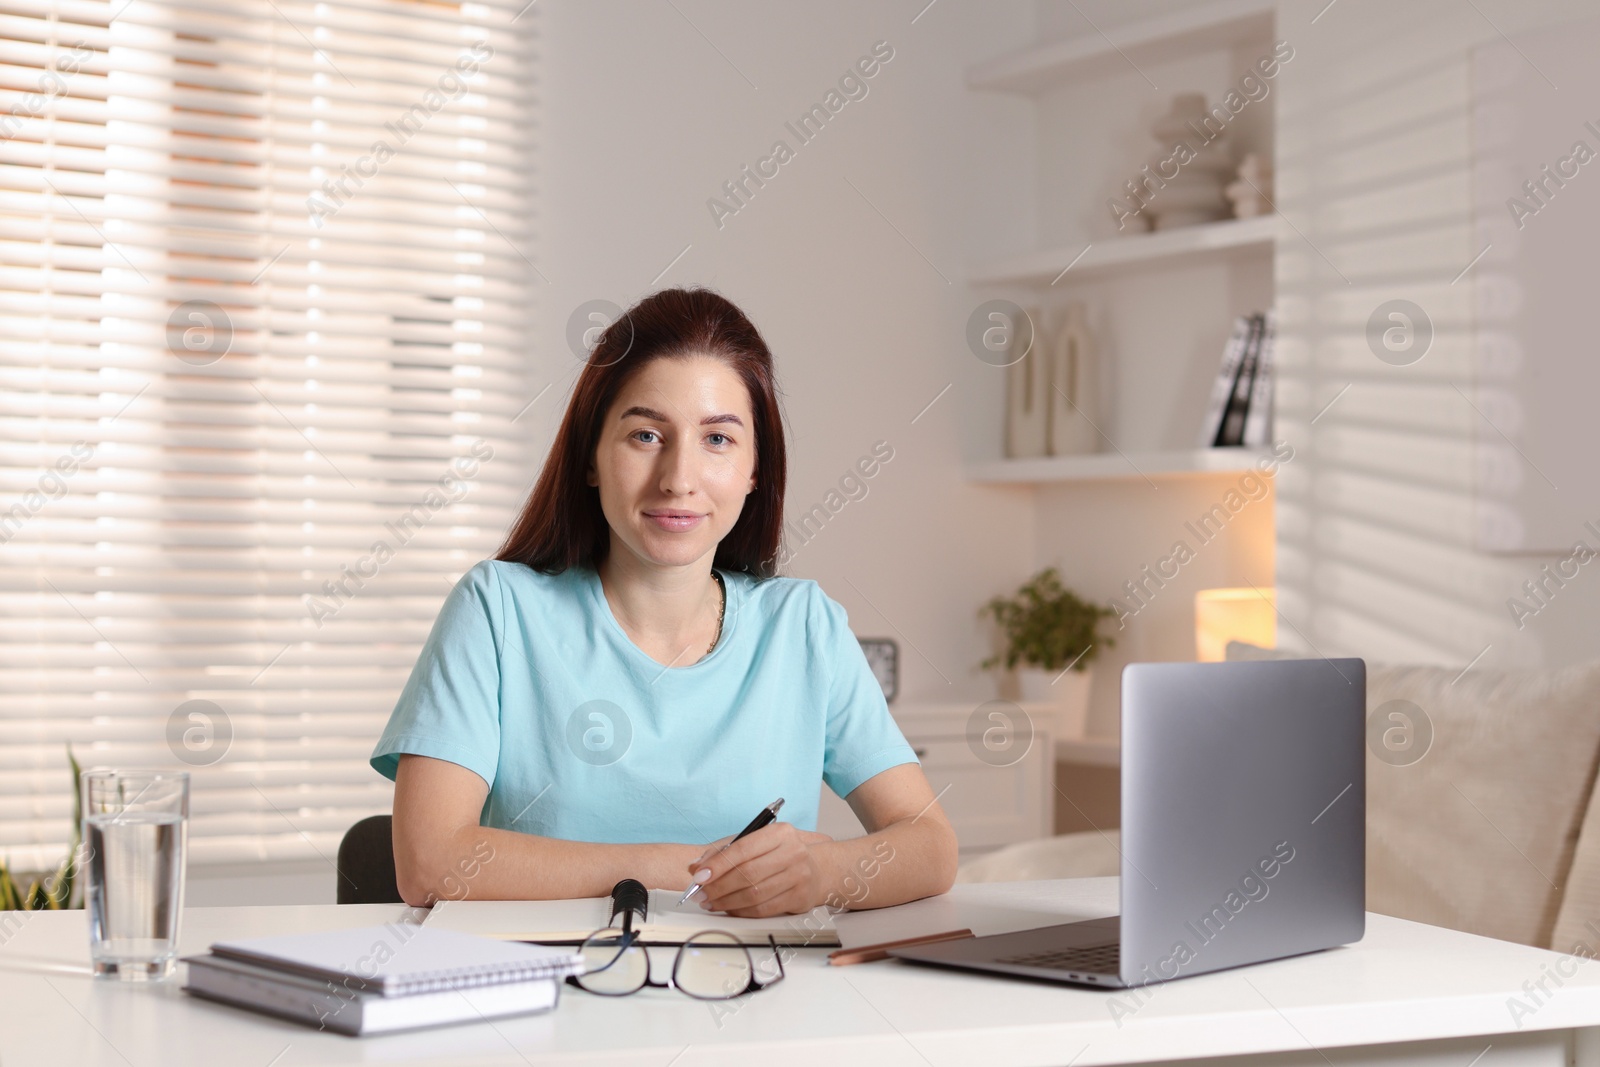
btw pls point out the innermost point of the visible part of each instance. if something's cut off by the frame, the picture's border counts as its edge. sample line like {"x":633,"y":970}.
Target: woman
{"x":626,"y":684}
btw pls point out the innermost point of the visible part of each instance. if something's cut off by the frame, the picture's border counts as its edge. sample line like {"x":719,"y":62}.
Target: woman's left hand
{"x":774,"y":871}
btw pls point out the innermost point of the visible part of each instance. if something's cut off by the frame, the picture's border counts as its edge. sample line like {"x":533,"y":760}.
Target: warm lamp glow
{"x":1223,"y":615}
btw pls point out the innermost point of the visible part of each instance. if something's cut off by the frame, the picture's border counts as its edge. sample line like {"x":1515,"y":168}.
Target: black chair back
{"x":366,"y":863}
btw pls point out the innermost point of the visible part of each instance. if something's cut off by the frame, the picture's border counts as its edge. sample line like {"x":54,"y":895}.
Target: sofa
{"x":1491,"y":826}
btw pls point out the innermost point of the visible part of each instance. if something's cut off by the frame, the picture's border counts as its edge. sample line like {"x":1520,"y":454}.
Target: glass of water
{"x":136,"y":834}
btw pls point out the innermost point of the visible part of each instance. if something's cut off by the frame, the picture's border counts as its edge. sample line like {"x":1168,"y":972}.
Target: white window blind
{"x":263,"y":298}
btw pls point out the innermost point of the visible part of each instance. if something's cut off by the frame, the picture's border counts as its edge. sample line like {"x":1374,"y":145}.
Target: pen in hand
{"x":765,"y":816}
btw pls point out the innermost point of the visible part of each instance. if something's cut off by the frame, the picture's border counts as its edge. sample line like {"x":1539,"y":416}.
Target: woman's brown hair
{"x":562,"y":525}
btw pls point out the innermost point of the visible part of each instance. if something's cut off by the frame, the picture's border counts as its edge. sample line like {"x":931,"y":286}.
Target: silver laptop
{"x":1243,"y":829}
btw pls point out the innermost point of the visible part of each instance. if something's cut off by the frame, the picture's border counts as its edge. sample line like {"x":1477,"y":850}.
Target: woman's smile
{"x":673,"y":519}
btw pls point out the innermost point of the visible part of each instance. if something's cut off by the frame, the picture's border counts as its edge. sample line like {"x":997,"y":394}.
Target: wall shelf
{"x":1161,"y":249}
{"x":1032,"y":70}
{"x":1115,"y":466}
{"x":1160,"y":305}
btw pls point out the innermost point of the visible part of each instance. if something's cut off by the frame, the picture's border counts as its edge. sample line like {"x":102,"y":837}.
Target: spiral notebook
{"x":667,"y":922}
{"x":328,"y":1006}
{"x":401,"y":959}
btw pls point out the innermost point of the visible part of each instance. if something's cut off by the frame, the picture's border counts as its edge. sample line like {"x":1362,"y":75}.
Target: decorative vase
{"x":1195,"y":193}
{"x":1066,"y":693}
{"x":1028,"y":397}
{"x":1073,"y":409}
{"x":1252,"y":193}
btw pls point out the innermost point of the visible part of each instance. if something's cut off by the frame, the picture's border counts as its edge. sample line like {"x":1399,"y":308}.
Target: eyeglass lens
{"x":613,"y":964}
{"x":713,"y":966}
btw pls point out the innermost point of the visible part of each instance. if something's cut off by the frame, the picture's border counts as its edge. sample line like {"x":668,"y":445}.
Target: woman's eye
{"x":651,"y":432}
{"x":721,"y":435}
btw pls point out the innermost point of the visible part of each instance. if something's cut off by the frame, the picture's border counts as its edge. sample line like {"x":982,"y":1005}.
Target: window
{"x":262,"y":298}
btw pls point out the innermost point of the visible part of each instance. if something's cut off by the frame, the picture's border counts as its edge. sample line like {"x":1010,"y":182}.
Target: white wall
{"x":643,"y":121}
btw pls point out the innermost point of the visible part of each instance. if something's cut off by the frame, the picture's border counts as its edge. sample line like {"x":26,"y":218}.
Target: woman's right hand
{"x":808,"y":837}
{"x":678,"y":871}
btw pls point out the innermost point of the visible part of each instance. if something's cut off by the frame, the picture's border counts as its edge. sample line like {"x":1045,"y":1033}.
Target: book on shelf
{"x":1258,"y":419}
{"x":382,"y":978}
{"x":1227,"y":375}
{"x":1231,"y":433}
{"x":1243,"y":382}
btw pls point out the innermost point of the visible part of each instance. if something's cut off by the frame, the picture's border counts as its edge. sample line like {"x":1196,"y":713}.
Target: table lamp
{"x":1223,"y":615}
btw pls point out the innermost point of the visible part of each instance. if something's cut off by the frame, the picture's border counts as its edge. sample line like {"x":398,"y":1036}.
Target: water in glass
{"x":134,"y":874}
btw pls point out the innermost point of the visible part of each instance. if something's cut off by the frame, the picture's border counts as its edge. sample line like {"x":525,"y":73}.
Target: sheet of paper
{"x":573,"y":920}
{"x":1017,"y":906}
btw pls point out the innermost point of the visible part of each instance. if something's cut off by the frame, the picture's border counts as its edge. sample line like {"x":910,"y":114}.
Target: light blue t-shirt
{"x":528,"y":680}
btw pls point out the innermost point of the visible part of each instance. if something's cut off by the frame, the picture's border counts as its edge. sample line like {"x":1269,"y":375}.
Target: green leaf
{"x":67,"y":880}
{"x":10,"y":897}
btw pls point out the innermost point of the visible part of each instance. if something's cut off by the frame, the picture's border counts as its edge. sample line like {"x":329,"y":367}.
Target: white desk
{"x":1426,"y":994}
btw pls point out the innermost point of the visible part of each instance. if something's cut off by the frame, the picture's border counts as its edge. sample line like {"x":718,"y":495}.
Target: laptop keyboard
{"x":1095,"y":959}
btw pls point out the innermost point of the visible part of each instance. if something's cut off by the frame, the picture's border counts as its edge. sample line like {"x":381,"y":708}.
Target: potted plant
{"x":1048,"y":629}
{"x":55,"y":891}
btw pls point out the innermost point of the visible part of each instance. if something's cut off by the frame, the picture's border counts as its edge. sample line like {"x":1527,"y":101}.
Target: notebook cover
{"x":398,"y":959}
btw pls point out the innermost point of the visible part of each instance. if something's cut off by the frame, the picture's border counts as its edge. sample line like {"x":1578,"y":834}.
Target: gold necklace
{"x":721,"y":609}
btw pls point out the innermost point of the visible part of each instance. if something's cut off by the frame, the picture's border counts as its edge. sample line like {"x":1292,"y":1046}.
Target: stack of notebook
{"x":382,"y":978}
